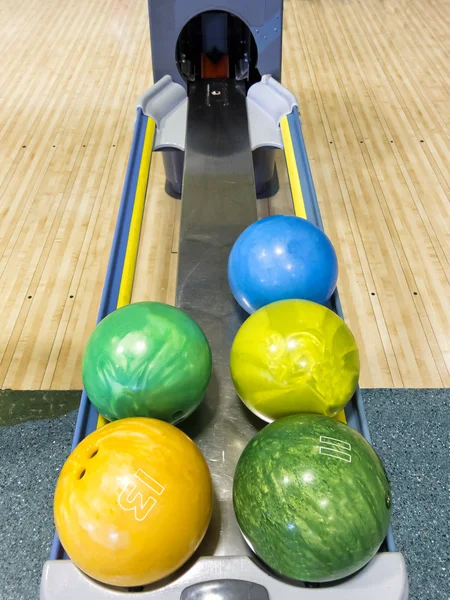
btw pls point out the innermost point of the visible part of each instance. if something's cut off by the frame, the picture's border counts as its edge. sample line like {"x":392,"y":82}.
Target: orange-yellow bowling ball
{"x":133,"y":502}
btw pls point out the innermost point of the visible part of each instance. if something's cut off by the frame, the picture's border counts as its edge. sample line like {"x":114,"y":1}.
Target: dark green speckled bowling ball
{"x":147,"y":359}
{"x":312,"y":498}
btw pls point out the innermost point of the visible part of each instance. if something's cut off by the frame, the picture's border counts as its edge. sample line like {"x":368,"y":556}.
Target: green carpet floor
{"x":410,"y":431}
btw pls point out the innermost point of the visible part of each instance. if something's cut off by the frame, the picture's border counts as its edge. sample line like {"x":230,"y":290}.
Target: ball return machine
{"x":218,"y":113}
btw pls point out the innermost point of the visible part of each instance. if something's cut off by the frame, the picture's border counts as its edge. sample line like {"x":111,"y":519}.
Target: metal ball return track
{"x":211,"y":128}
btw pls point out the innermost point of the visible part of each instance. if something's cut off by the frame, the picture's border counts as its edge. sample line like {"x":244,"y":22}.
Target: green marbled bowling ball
{"x":312,"y":498}
{"x":147,"y":359}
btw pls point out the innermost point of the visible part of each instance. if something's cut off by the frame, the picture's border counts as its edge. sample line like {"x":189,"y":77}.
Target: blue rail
{"x":355,"y":411}
{"x":87,"y":413}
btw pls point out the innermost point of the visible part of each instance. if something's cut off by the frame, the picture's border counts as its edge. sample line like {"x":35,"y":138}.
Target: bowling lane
{"x":157,"y":261}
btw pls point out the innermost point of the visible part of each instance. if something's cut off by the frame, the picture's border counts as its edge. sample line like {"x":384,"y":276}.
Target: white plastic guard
{"x":166,"y":103}
{"x":384,"y":578}
{"x":267,"y":103}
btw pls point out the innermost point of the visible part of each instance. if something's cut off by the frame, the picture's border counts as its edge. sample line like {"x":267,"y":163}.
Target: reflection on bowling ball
{"x":133,"y":502}
{"x":312,"y":498}
{"x":147,"y":360}
{"x":294,"y":356}
{"x":279,"y":258}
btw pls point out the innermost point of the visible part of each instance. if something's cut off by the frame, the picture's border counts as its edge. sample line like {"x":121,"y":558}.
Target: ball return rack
{"x":218,"y":135}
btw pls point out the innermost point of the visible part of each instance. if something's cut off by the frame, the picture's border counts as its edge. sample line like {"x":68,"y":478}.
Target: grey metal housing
{"x":267,"y":102}
{"x":168,"y":18}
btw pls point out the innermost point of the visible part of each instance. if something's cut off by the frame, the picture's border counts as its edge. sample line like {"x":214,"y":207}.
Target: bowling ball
{"x":294,"y":356}
{"x":282,"y":257}
{"x":147,"y":360}
{"x":312,"y":498}
{"x":133,"y":502}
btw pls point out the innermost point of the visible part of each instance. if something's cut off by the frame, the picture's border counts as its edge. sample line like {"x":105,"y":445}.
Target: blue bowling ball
{"x":282,"y":257}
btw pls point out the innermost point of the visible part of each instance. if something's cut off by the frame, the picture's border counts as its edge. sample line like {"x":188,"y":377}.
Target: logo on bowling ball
{"x":138,"y":495}
{"x":335,"y":448}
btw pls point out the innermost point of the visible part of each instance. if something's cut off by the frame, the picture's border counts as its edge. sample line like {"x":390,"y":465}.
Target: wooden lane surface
{"x":373,"y":80}
{"x":60,"y":194}
{"x":382,"y":197}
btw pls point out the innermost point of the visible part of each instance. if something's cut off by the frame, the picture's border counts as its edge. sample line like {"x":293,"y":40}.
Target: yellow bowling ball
{"x":294,"y":356}
{"x":133,"y":502}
